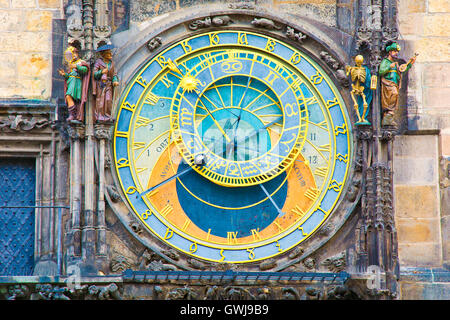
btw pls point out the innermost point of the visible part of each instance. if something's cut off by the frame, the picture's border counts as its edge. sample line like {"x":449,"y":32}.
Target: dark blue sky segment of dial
{"x":220,"y":220}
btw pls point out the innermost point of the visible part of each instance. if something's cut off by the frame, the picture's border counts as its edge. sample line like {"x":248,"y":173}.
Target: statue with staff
{"x":105,"y":81}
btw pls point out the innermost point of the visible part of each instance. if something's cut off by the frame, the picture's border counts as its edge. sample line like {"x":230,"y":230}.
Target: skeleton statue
{"x":361,"y":89}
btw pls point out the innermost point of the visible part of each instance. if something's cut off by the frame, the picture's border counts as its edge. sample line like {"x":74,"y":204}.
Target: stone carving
{"x":75,"y":29}
{"x":336,"y":66}
{"x":218,"y":21}
{"x":265,"y":24}
{"x":268,"y":264}
{"x":194,"y":263}
{"x":185,"y":293}
{"x":49,"y":292}
{"x":264,"y":293}
{"x":336,"y":263}
{"x":296,"y":36}
{"x":297,"y":251}
{"x":245,"y":6}
{"x":309,"y":263}
{"x":136,"y":227}
{"x":154,"y":43}
{"x":237,"y":293}
{"x":290,"y":293}
{"x":18,"y":292}
{"x":119,"y":263}
{"x":101,"y":35}
{"x":151,"y":261}
{"x":19,"y":123}
{"x":313,"y":293}
{"x":112,"y":192}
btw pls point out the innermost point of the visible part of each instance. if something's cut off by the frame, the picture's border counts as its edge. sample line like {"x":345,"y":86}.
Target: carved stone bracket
{"x":154,"y":43}
{"x":76,"y":131}
{"x":102,"y":131}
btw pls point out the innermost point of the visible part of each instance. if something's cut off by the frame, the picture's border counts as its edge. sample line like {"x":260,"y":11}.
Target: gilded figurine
{"x":391,"y":77}
{"x":76,"y":83}
{"x":105,"y":80}
{"x":361,"y":89}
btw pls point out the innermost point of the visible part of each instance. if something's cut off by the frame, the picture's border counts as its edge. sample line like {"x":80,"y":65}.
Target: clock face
{"x":232,"y":146}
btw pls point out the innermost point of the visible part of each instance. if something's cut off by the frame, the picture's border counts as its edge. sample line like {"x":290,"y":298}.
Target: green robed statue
{"x":391,"y":77}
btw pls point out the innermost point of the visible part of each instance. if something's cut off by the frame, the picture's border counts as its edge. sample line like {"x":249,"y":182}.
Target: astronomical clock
{"x":232,"y":144}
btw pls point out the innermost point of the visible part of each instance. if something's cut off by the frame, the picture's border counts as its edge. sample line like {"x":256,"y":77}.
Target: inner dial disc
{"x":243,"y":119}
{"x":235,"y":129}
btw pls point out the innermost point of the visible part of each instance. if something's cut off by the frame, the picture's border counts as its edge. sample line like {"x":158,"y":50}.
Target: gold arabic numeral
{"x":317,"y":78}
{"x":242,"y":38}
{"x":186,"y":47}
{"x":138,"y":145}
{"x":255,"y":234}
{"x":332,"y":103}
{"x":151,"y":98}
{"x":221,"y":255}
{"x":168,"y":234}
{"x":131,"y":190}
{"x":126,"y":105}
{"x":251,"y":254}
{"x":165,"y":80}
{"x":278,"y":245}
{"x":162,"y":61}
{"x":312,"y":193}
{"x":214,"y":39}
{"x":146,"y":214}
{"x":336,"y":186}
{"x":271,"y":77}
{"x":340,"y":129}
{"x":232,"y":237}
{"x":193,"y":247}
{"x":343,"y":158}
{"x":296,"y":58}
{"x":298,"y":211}
{"x":303,"y":232}
{"x":321,"y":172}
{"x":142,"y":81}
{"x":122,"y":162}
{"x":166,"y":210}
{"x":270,"y":45}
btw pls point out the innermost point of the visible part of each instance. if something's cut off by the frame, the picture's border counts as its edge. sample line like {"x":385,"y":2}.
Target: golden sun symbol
{"x":189,"y":83}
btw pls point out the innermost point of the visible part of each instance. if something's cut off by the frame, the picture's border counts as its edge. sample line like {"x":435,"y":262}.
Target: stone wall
{"x":421,"y":178}
{"x":26,"y":47}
